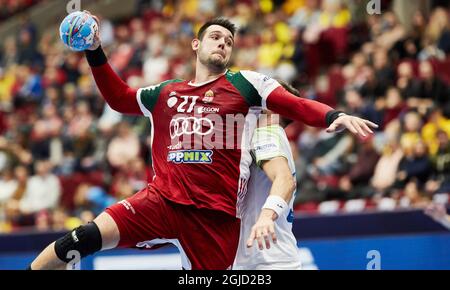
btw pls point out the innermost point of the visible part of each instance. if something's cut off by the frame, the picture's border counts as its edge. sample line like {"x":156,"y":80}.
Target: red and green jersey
{"x":200,"y":131}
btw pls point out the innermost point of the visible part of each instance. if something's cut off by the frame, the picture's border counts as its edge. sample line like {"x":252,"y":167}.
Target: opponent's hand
{"x":97,"y":42}
{"x":264,"y":230}
{"x":357,"y":126}
{"x":436,"y":211}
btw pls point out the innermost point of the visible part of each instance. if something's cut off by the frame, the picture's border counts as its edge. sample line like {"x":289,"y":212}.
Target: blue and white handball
{"x":78,"y":30}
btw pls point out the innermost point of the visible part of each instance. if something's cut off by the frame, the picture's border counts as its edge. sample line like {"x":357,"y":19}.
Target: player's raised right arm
{"x":114,"y":90}
{"x":119,"y":96}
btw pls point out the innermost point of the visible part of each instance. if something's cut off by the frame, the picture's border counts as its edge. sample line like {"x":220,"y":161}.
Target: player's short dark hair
{"x":217,"y":21}
{"x":284,"y":121}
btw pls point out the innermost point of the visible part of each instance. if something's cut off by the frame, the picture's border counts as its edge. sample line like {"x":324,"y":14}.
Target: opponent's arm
{"x":283,"y":186}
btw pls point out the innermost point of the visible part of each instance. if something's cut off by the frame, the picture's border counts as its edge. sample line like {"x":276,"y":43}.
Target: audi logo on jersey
{"x":189,"y":126}
{"x":218,"y":131}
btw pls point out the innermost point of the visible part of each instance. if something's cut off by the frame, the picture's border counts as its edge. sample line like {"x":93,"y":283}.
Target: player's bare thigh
{"x":108,"y":230}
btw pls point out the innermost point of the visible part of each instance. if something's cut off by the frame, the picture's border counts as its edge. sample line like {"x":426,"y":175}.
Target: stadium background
{"x":65,"y":155}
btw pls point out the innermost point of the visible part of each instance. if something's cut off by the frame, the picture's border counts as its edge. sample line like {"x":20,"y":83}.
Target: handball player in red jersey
{"x":200,"y":130}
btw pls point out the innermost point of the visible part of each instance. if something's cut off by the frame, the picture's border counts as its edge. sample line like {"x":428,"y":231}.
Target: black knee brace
{"x":84,"y":239}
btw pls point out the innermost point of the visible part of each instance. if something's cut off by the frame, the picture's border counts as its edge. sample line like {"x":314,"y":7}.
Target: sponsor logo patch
{"x":265,"y":148}
{"x":190,"y":156}
{"x":208,"y":97}
{"x":201,"y":110}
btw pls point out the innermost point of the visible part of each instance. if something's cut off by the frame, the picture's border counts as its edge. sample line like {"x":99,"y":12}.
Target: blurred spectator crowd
{"x":11,"y":7}
{"x":65,"y":155}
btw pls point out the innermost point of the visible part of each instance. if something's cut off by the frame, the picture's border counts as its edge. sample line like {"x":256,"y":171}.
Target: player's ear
{"x":195,"y":44}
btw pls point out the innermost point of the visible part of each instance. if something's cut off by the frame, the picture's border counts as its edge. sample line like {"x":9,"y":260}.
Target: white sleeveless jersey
{"x":267,"y":143}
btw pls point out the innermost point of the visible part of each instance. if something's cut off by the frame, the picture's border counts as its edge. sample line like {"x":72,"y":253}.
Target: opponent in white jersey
{"x":267,"y":209}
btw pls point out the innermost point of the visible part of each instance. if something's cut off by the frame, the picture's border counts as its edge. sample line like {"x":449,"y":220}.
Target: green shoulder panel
{"x":246,"y":89}
{"x":149,"y":96}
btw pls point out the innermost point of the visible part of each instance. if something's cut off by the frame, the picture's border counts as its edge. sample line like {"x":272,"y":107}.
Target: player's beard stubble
{"x":213,"y":61}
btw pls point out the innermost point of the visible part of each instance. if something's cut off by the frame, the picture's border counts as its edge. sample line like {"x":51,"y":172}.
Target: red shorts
{"x":207,"y":239}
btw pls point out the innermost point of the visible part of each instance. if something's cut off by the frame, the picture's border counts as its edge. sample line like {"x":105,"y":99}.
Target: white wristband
{"x":276,"y":203}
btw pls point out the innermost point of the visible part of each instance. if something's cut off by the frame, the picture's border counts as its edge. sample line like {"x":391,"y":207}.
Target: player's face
{"x":214,"y":49}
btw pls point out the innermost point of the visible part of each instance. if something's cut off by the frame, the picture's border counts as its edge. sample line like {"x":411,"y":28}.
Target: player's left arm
{"x":274,"y":97}
{"x":316,"y":114}
{"x":283,"y":186}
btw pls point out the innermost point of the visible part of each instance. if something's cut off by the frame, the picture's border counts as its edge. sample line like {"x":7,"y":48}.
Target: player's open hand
{"x":357,"y":126}
{"x":436,"y":211}
{"x":264,"y":230}
{"x":97,"y":42}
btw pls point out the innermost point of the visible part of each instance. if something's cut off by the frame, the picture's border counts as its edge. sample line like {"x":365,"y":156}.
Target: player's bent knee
{"x":85,"y":239}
